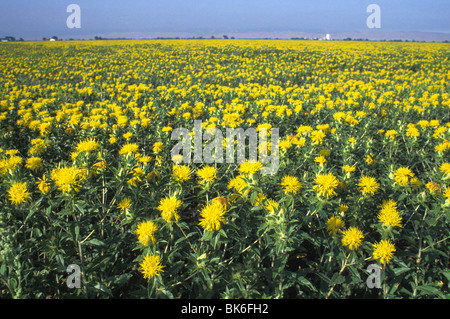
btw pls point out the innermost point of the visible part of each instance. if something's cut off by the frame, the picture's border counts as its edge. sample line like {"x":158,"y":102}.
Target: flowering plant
{"x":87,"y":175}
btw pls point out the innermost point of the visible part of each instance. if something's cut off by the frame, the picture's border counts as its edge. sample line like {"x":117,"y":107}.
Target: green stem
{"x":80,"y":252}
{"x":344,"y":265}
{"x":182,"y":231}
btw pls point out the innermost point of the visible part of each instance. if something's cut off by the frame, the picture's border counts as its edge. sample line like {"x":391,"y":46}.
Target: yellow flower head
{"x":124,"y":204}
{"x":146,"y":232}
{"x":368,"y":185}
{"x":403,"y":175}
{"x":434,"y":187}
{"x":39,"y":145}
{"x":343,"y":208}
{"x":151,"y":266}
{"x":423,"y":123}
{"x":352,"y":237}
{"x":348,"y":168}
{"x":127,"y":135}
{"x":291,"y":184}
{"x":334,"y":224}
{"x":260,"y":198}
{"x":285,"y":144}
{"x":88,"y":145}
{"x":67,"y":178}
{"x":145,"y":159}
{"x":383,"y":251}
{"x":112,"y":139}
{"x":447,"y":193}
{"x":129,"y":148}
{"x":415,"y":182}
{"x":265,"y":126}
{"x":317,"y":137}
{"x":439,"y":132}
{"x":34,"y":163}
{"x":326,"y":184}
{"x":207,"y":174}
{"x":320,"y":159}
{"x":412,"y":132}
{"x":299,"y":142}
{"x":238,"y":184}
{"x":122,"y":121}
{"x":42,"y":184}
{"x":325,"y":152}
{"x":157,"y":147}
{"x":18,"y":193}
{"x":181,"y":173}
{"x":304,"y":129}
{"x":391,"y":134}
{"x":441,"y":147}
{"x":271,"y":206}
{"x":323,"y":127}
{"x":249,"y":168}
{"x":389,"y":215}
{"x":168,"y":207}
{"x":10,"y":164}
{"x":369,"y":159}
{"x":12,"y":152}
{"x":434,"y":123}
{"x":445,"y":168}
{"x":211,"y":216}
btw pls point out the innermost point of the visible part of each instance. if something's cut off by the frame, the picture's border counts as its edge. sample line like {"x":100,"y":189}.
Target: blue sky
{"x":36,"y":19}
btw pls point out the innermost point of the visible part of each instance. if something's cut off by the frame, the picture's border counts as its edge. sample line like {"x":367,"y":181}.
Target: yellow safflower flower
{"x":67,"y":178}
{"x":383,"y":251}
{"x":389,"y":215}
{"x":168,"y":207}
{"x":151,"y":266}
{"x":207,"y":174}
{"x":34,"y":163}
{"x":403,"y":175}
{"x":352,"y":238}
{"x":18,"y":193}
{"x":326,"y":184}
{"x":368,"y":185}
{"x":43,"y":185}
{"x":212,"y":215}
{"x":146,"y":232}
{"x":181,"y":173}
{"x":291,"y":184}
{"x":334,"y":224}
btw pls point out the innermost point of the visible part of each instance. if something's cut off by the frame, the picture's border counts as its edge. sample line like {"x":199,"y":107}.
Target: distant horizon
{"x":32,"y":20}
{"x":288,"y":35}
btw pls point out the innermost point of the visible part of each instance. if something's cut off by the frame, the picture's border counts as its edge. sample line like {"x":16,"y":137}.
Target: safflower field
{"x":87,"y":177}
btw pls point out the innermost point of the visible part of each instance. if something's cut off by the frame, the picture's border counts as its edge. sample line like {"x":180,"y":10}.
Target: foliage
{"x":102,"y":113}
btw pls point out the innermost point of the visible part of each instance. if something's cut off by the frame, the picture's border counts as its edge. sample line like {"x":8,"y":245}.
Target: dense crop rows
{"x":87,"y":176}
